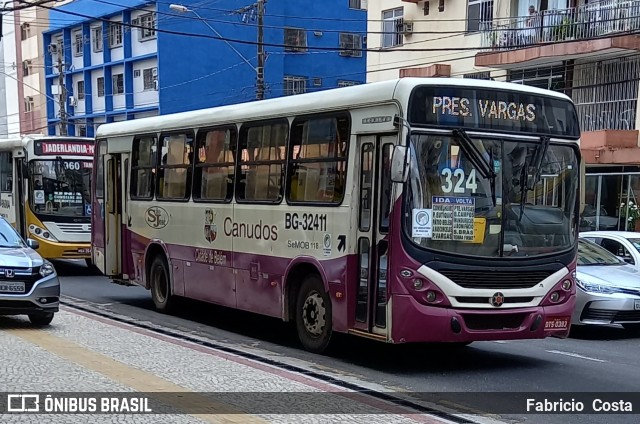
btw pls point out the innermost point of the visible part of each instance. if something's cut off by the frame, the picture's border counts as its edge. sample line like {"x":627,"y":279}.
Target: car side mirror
{"x":400,"y":162}
{"x":33,"y":244}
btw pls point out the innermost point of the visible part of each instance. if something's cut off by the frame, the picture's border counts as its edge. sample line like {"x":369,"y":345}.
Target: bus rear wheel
{"x":313,"y":315}
{"x":160,"y":287}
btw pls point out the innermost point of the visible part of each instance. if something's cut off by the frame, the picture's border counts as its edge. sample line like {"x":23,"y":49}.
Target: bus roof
{"x":18,"y":142}
{"x":315,"y":102}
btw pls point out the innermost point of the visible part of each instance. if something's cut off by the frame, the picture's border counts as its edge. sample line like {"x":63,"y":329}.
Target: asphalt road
{"x":591,"y":360}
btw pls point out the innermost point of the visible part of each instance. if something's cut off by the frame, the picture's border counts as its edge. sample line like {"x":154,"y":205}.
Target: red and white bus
{"x":412,"y":210}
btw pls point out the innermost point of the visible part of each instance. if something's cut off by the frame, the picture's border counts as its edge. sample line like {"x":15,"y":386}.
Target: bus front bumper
{"x":415,"y":322}
{"x":59,"y":250}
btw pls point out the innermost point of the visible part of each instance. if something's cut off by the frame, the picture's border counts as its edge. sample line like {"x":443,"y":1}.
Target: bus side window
{"x":6,"y":172}
{"x":214,"y":170}
{"x":143,"y":167}
{"x":318,"y":159}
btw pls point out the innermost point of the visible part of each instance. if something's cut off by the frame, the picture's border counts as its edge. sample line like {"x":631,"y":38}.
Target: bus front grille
{"x":495,"y":279}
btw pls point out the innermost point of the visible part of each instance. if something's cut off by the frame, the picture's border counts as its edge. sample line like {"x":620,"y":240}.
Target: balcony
{"x":605,"y":28}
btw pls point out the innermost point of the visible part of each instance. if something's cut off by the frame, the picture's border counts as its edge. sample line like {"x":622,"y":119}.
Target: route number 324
{"x":456,"y":181}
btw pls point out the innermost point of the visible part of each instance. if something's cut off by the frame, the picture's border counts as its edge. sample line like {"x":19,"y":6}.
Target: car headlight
{"x":596,"y":288}
{"x":47,"y":269}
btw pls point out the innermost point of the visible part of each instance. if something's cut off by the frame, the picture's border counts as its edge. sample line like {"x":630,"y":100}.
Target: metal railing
{"x":593,"y":20}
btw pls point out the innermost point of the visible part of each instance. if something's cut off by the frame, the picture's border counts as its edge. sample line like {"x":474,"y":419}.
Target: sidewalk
{"x":84,"y":353}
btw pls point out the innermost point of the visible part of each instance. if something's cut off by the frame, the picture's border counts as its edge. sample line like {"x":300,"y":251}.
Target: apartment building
{"x":9,"y":77}
{"x":122,"y":60}
{"x":589,"y":50}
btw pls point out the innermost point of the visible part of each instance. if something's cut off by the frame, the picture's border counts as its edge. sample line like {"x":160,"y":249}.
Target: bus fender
{"x":151,"y":245}
{"x":293,"y":265}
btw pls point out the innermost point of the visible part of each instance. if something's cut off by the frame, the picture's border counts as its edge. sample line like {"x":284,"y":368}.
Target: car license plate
{"x":84,"y":250}
{"x":636,"y":305}
{"x":556,"y":323}
{"x":13,"y":287}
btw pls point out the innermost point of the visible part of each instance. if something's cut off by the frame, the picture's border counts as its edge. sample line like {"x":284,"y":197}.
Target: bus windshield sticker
{"x":453,"y":218}
{"x":327,"y":244}
{"x":67,"y":197}
{"x":210,"y":227}
{"x":422,"y":223}
{"x":38,"y":197}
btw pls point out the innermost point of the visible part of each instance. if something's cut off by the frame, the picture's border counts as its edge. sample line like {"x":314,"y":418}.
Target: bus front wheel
{"x":313,"y":315}
{"x":160,"y":287}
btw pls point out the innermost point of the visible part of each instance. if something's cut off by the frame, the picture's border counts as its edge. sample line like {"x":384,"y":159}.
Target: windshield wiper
{"x":478,"y":161}
{"x":535,"y":168}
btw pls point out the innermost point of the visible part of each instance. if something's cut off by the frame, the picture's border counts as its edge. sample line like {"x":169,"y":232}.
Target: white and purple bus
{"x":412,"y":210}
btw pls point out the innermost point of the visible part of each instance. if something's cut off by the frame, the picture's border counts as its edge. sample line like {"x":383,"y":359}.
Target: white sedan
{"x":624,"y":244}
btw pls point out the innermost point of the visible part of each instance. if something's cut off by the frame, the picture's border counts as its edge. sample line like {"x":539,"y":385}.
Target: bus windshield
{"x":469,"y":199}
{"x":60,"y":186}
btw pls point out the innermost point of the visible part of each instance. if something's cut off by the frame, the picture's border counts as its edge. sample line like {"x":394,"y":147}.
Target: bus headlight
{"x":47,"y":269}
{"x":41,"y":233}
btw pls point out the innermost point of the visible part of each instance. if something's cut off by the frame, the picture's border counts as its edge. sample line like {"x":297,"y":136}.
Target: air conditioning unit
{"x":73,"y":101}
{"x":154,"y":72}
{"x":407,"y":28}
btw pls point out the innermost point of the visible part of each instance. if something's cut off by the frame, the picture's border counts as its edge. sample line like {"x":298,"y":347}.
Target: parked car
{"x":29,"y":284}
{"x":605,"y":222}
{"x":608,"y":289}
{"x":625,"y":244}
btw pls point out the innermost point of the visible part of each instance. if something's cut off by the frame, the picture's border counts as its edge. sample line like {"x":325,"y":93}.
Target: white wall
{"x":98,"y":102}
{"x":96,"y":57}
{"x":146,"y":114}
{"x":117,"y":53}
{"x":10,"y":103}
{"x":148,"y":46}
{"x":118,"y":99}
{"x":142,"y":97}
{"x":80,"y":107}
{"x":77,"y":61}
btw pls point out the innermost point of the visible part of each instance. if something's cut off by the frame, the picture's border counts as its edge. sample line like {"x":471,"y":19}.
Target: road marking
{"x":134,"y":378}
{"x":575,"y":355}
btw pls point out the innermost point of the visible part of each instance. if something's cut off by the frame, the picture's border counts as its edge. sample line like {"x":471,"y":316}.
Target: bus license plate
{"x":84,"y":250}
{"x":636,"y":305}
{"x":556,"y":324}
{"x":12,"y":287}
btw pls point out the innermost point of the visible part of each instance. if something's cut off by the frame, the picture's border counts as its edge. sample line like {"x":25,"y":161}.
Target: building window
{"x":100,"y":86}
{"x":357,"y":4}
{"x":150,"y":76}
{"x":28,"y":104}
{"x":115,"y":34}
{"x":295,"y":40}
{"x":345,"y":83}
{"x":486,"y":75}
{"x":118,"y":84}
{"x":77,"y":43}
{"x":143,"y":167}
{"x":26,"y":68}
{"x":261,"y":164}
{"x":294,"y":85}
{"x":82,"y":131}
{"x":318,"y":159}
{"x":214,"y":171}
{"x":80,"y":90}
{"x":479,"y":15}
{"x":97,"y":38}
{"x":174,"y":170}
{"x":25,"y":31}
{"x":148,"y":21}
{"x":392,"y":27}
{"x":350,"y":45}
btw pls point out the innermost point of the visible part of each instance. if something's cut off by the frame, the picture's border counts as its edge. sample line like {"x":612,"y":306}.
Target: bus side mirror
{"x":400,"y":162}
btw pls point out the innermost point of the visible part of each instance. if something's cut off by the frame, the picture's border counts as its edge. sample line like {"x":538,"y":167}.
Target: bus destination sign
{"x":490,"y":109}
{"x":63,"y":148}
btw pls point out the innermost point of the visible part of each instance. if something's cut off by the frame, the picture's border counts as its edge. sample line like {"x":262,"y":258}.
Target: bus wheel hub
{"x":313,"y":314}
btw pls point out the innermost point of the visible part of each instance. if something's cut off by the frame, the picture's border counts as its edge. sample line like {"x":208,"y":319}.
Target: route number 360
{"x":456,"y":179}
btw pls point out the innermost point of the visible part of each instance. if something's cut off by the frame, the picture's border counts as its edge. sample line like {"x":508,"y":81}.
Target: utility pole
{"x":63,"y":94}
{"x":260,"y":68}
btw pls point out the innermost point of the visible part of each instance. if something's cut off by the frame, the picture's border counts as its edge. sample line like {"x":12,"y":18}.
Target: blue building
{"x":127,"y":59}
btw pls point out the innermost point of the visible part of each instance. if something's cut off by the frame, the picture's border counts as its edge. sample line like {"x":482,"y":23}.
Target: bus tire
{"x":313,"y":315}
{"x":160,"y":285}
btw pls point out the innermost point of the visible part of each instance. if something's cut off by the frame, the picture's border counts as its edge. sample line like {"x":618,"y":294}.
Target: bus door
{"x":20,"y":195}
{"x":374,"y":191}
{"x":113,"y":215}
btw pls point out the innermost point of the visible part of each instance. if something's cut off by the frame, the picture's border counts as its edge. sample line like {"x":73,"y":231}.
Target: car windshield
{"x":61,"y":187}
{"x":591,"y":254}
{"x":8,"y":236}
{"x":467,"y":199}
